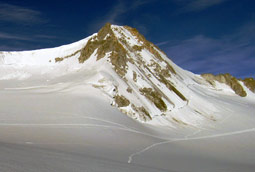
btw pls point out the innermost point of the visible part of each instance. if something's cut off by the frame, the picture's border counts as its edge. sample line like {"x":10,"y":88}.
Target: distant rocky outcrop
{"x":228,"y":79}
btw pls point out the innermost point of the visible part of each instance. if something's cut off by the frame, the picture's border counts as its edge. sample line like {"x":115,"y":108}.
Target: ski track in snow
{"x":27,"y":88}
{"x":130,"y":158}
{"x":111,"y":122}
{"x":57,"y":125}
{"x":186,"y":138}
{"x":121,"y":127}
{"x":62,"y":125}
{"x":52,"y":125}
{"x":74,"y":115}
{"x":92,"y":118}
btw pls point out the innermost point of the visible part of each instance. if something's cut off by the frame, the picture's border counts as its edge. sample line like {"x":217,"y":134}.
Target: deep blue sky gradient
{"x":203,"y":36}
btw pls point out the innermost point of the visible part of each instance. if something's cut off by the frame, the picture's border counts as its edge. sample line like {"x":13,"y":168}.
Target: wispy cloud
{"x":232,"y":53}
{"x":118,"y":10}
{"x":46,"y":37}
{"x":8,"y":36}
{"x":196,"y":5}
{"x":4,"y":35}
{"x":162,"y":43}
{"x":122,"y":7}
{"x":8,"y":48}
{"x":16,"y":42}
{"x":18,"y":14}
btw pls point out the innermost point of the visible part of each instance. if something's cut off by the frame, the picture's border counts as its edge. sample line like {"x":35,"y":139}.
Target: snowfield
{"x":63,"y":116}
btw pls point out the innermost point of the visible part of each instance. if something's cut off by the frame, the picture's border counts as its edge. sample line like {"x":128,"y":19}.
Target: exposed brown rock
{"x":121,"y":101}
{"x":143,"y":113}
{"x":129,"y":90}
{"x":104,"y":31}
{"x":137,"y":48}
{"x":179,"y":121}
{"x":250,"y":83}
{"x":167,"y":83}
{"x":171,"y":87}
{"x":149,"y":46}
{"x":59,"y":59}
{"x":226,"y":79}
{"x":154,"y":97}
{"x":106,"y":42}
{"x":88,"y":50}
{"x":159,"y":71}
{"x":134,"y":76}
{"x":119,"y":59}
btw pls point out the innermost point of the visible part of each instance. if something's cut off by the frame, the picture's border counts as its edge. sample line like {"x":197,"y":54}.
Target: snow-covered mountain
{"x":60,"y":110}
{"x":135,"y":76}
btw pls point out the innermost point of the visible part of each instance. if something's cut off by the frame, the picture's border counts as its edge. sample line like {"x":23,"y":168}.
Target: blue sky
{"x":203,"y":36}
